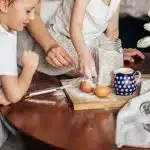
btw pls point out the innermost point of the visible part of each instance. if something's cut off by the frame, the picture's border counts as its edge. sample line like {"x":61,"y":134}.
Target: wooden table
{"x":57,"y":124}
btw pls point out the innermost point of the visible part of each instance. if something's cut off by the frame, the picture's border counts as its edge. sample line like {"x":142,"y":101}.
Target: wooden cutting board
{"x":82,"y":101}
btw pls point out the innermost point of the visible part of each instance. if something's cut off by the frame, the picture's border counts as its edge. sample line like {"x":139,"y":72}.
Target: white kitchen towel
{"x":145,"y":86}
{"x":133,"y":123}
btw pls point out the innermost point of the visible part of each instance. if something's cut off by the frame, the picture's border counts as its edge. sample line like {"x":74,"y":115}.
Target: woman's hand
{"x":58,"y":57}
{"x":87,"y":65}
{"x":130,"y":53}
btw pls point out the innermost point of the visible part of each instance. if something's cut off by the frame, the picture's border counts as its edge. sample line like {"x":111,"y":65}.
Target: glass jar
{"x":110,"y":55}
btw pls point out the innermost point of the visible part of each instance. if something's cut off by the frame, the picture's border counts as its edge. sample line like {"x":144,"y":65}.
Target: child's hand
{"x":30,"y":59}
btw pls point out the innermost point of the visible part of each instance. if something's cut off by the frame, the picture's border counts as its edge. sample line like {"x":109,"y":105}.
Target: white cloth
{"x":145,"y":42}
{"x":135,"y":8}
{"x":8,"y":55}
{"x":145,"y":86}
{"x":3,"y":133}
{"x":133,"y":123}
{"x":96,"y":18}
{"x":49,"y":9}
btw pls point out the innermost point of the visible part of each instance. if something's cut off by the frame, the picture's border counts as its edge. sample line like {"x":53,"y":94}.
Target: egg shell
{"x":102,"y":91}
{"x":85,"y":87}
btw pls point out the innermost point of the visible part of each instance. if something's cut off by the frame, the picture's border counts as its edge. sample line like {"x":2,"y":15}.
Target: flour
{"x":76,"y":93}
{"x":110,"y":58}
{"x":41,"y":101}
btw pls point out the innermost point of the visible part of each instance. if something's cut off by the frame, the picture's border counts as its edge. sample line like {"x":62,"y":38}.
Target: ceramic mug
{"x":125,"y":82}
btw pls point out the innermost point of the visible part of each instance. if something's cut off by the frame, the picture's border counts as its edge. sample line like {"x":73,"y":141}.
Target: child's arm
{"x":15,"y":87}
{"x":76,"y":27}
{"x":3,"y":99}
{"x":112,"y":31}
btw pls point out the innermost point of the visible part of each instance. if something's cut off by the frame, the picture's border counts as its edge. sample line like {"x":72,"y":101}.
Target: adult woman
{"x":60,"y":61}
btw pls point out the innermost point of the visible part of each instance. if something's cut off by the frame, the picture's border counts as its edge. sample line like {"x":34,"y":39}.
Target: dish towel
{"x":133,"y":122}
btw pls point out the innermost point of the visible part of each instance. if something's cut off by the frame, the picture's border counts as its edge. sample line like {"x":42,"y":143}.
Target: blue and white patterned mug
{"x":125,"y":81}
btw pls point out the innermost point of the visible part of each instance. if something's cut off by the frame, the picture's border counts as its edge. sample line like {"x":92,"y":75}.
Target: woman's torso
{"x":96,"y":18}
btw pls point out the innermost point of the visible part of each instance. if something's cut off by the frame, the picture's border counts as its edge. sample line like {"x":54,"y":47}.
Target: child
{"x":14,"y":16}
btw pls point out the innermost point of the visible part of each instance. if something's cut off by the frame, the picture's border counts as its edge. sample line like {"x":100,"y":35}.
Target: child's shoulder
{"x":4,"y":33}
{"x":8,"y":40}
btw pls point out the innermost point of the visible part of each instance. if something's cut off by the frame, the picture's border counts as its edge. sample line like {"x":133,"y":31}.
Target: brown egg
{"x":102,"y":91}
{"x":86,"y":87}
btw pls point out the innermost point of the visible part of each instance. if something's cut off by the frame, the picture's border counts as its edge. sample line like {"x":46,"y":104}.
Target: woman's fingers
{"x":128,"y":58}
{"x":140,"y":54}
{"x":85,"y":70}
{"x":58,"y":57}
{"x":55,"y":60}
{"x":51,"y":62}
{"x":93,"y":68}
{"x":67,"y":58}
{"x":130,"y":53}
{"x":134,"y":52}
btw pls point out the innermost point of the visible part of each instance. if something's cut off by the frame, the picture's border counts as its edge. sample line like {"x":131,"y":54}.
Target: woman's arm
{"x":130,"y":53}
{"x":38,"y":30}
{"x":112,"y":31}
{"x":56,"y":55}
{"x":77,"y":37}
{"x":76,"y":25}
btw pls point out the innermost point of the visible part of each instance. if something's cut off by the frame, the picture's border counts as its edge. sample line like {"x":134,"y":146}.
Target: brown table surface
{"x":59,"y":125}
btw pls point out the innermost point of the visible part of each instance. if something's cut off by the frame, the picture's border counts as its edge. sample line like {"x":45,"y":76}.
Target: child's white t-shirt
{"x":8,"y":52}
{"x":8,"y":65}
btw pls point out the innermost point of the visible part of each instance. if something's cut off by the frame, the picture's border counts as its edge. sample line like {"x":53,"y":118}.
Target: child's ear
{"x":4,"y":4}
